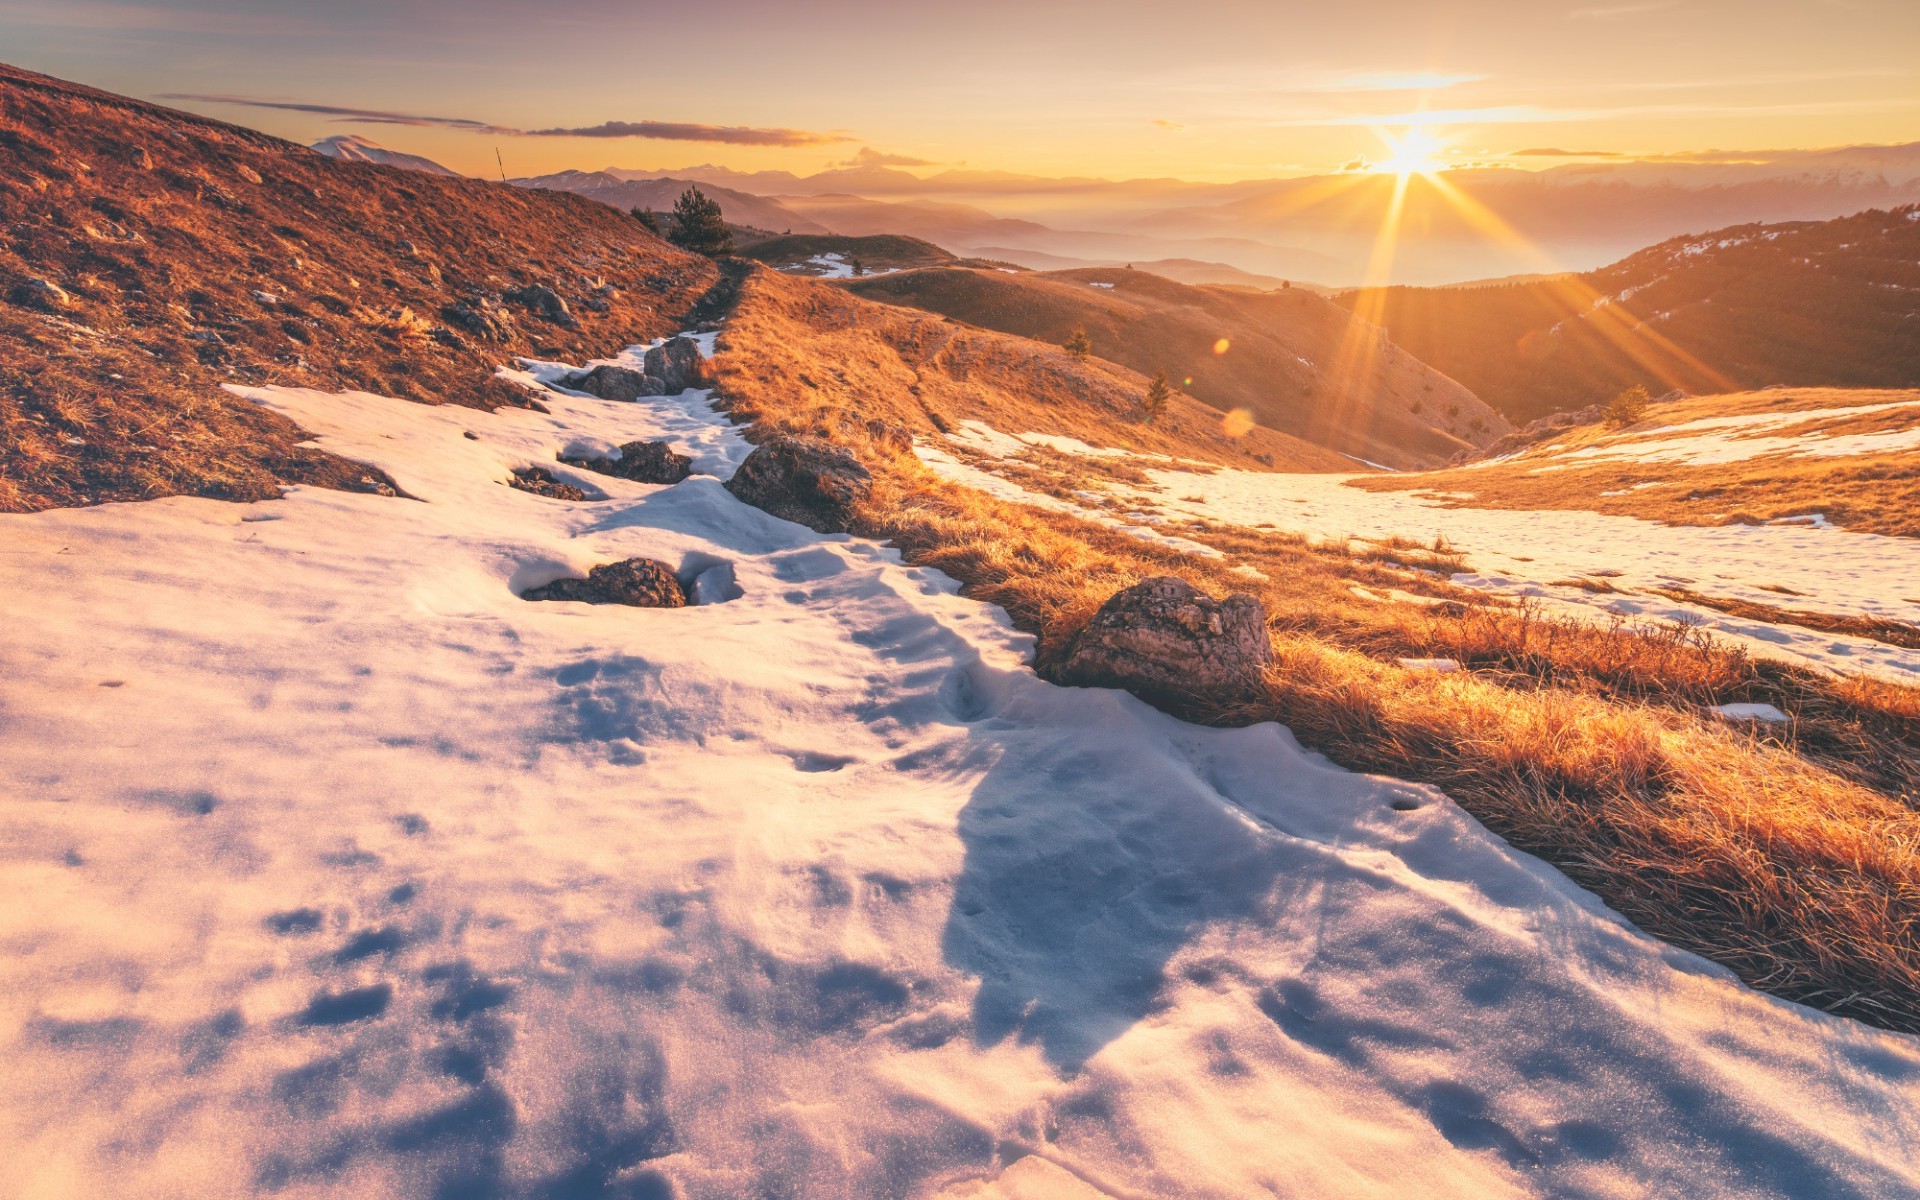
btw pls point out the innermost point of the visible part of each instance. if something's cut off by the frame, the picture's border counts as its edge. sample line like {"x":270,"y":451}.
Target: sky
{"x":1204,"y":90}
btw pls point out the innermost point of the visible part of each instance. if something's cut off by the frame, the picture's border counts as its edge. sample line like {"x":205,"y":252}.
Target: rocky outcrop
{"x":642,"y":462}
{"x":638,"y":582}
{"x":1170,"y":643}
{"x":667,"y":370}
{"x":480,"y":318}
{"x":544,"y":301}
{"x":804,"y":480}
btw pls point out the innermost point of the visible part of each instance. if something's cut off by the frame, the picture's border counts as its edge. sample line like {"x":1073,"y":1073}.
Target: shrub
{"x":648,"y":220}
{"x":1629,"y":407}
{"x":1078,"y":343}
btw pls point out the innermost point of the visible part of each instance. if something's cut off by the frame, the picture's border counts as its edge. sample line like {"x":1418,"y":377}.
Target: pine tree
{"x":1158,"y":393}
{"x":647,"y":220}
{"x":698,"y":225}
{"x":1078,"y":343}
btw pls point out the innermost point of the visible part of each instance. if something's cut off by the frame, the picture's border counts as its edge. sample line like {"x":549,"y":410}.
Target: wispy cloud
{"x":869,"y":157}
{"x":1163,"y":123}
{"x":1527,"y":114}
{"x":670,"y":131}
{"x":1386,"y":81}
{"x":1602,"y":12}
{"x":1557,"y":152}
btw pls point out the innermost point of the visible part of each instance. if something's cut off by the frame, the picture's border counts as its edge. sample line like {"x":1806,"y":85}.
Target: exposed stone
{"x":642,"y":462}
{"x":544,"y":301}
{"x":40,"y":293}
{"x":639,"y":582}
{"x":677,"y":364}
{"x":541,"y":482}
{"x":811,"y":482}
{"x":482,"y":318}
{"x":613,"y":383}
{"x":1166,"y":641}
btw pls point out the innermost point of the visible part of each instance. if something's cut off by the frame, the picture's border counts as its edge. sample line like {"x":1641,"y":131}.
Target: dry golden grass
{"x":1788,"y":855}
{"x":1869,"y":493}
{"x":1893,"y":633}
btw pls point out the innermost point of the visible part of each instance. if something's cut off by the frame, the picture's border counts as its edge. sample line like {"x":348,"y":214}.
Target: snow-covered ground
{"x":335,"y":869}
{"x":1533,"y":554}
{"x":833,"y":265}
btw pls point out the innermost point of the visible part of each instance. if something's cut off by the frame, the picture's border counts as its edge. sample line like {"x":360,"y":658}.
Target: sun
{"x":1414,"y":152}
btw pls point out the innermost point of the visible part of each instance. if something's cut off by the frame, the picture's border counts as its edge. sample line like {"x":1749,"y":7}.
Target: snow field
{"x":1529,"y":554}
{"x":341,"y":871}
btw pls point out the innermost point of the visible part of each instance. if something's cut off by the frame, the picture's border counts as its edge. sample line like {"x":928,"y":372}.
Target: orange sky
{"x":1211,"y":89}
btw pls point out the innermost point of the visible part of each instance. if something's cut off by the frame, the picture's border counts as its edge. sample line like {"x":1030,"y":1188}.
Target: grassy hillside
{"x":1294,"y":360}
{"x":1808,"y":304}
{"x":153,"y":255}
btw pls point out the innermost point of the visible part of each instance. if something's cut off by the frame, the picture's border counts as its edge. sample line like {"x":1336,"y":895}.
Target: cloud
{"x":669,"y":131}
{"x":869,"y":157}
{"x":1163,"y":123}
{"x":1387,"y":81}
{"x":373,"y":115}
{"x":678,"y":131}
{"x":1601,"y":12}
{"x":1556,"y":152}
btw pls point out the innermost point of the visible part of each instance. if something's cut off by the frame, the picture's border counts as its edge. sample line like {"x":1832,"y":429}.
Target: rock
{"x":639,"y":582}
{"x":642,"y":462}
{"x":482,"y":318}
{"x":546,"y":302}
{"x":1166,"y":641}
{"x":677,"y":364}
{"x":811,"y":482}
{"x":541,"y":482}
{"x":613,"y":383}
{"x":40,"y":293}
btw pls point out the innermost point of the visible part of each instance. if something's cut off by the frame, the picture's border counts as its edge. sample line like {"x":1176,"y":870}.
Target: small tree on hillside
{"x":698,"y":225}
{"x":648,"y":221}
{"x":1629,"y":406}
{"x":859,"y":268}
{"x":1158,"y":394}
{"x":1078,"y":343}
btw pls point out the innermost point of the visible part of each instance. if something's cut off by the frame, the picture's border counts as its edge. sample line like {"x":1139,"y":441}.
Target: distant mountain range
{"x":659,"y":193}
{"x":1469,"y":224}
{"x":1827,"y":303}
{"x":352,"y":147}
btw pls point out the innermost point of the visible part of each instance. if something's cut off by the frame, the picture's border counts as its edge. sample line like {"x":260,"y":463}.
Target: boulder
{"x":539,"y":298}
{"x":613,"y":383}
{"x":642,"y":462}
{"x":639,"y":582}
{"x":805,"y":480}
{"x":677,"y":364}
{"x":1168,"y":642}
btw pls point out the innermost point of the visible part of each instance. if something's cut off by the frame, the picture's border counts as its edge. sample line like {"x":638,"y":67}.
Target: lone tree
{"x":1629,"y":406}
{"x":1158,"y":393}
{"x":647,"y":220}
{"x":1078,"y":343}
{"x":698,"y":225}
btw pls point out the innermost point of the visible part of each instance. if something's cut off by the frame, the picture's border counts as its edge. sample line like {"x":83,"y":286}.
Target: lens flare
{"x":1238,"y":423}
{"x":1222,"y":346}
